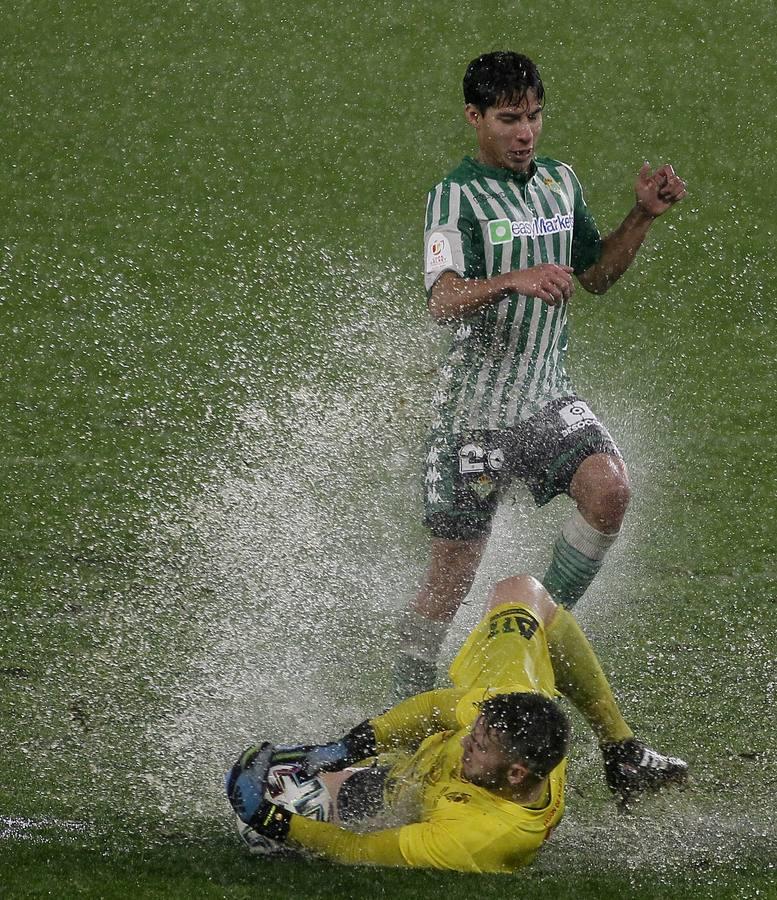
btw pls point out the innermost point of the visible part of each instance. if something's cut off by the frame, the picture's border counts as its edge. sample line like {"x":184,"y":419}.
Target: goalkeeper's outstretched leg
{"x":630,"y":766}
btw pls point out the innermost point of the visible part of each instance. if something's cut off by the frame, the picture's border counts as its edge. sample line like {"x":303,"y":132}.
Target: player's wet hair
{"x":501,"y":78}
{"x":531,"y":728}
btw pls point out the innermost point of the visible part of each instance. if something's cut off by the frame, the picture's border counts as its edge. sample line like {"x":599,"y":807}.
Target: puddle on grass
{"x":289,"y":573}
{"x":42,"y":830}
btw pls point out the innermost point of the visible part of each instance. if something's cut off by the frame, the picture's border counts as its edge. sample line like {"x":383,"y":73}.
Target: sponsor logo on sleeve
{"x":438,"y":252}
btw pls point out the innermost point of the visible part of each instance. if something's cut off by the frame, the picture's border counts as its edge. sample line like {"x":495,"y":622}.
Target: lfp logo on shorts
{"x":577,"y":416}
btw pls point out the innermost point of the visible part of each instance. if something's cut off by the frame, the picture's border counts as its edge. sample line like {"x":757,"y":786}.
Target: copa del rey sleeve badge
{"x":438,"y":252}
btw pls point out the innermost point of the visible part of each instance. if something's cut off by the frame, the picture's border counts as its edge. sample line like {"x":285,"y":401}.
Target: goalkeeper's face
{"x":484,"y":761}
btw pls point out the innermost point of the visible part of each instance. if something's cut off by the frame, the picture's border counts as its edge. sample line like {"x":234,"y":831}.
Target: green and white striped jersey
{"x":506,"y":360}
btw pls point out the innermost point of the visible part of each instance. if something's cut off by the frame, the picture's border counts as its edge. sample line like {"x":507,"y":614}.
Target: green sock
{"x":579,"y":677}
{"x":415,"y":668}
{"x":577,"y":557}
{"x":411,"y":676}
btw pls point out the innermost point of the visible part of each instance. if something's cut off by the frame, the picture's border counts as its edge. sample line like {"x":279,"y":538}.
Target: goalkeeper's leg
{"x":630,"y":766}
{"x":357,"y":793}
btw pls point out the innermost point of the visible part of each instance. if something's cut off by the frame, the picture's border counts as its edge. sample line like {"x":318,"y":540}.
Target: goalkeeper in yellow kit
{"x":477,"y":770}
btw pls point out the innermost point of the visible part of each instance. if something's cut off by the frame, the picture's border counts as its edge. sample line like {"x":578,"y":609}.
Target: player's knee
{"x":602,"y":490}
{"x":615,"y":498}
{"x":524,"y":590}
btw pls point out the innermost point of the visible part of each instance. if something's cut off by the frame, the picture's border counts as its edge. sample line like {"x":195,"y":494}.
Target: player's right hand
{"x":547,"y":281}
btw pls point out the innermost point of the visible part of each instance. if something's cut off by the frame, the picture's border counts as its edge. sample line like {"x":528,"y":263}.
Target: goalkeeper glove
{"x":246,"y":781}
{"x":356,"y":745}
{"x":271,"y":821}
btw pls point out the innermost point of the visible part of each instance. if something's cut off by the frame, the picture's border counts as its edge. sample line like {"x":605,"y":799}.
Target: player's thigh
{"x":551,"y":446}
{"x":506,"y":649}
{"x":357,"y":793}
{"x":464,"y":478}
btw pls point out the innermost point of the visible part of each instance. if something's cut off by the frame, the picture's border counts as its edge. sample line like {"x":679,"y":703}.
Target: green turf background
{"x":216,"y":370}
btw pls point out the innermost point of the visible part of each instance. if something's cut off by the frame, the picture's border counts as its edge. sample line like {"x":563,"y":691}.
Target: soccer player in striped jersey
{"x":505,"y":233}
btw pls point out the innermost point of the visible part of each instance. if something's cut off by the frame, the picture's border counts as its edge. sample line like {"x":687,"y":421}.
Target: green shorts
{"x":467,"y":473}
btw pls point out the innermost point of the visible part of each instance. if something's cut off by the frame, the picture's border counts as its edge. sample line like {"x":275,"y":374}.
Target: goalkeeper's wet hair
{"x":501,"y":78}
{"x":531,"y":728}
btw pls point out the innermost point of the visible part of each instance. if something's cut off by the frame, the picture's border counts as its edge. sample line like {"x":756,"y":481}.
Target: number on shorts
{"x":471,"y":459}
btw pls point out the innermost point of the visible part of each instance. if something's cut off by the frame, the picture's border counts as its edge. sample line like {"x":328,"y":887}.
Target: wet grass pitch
{"x":217,"y":371}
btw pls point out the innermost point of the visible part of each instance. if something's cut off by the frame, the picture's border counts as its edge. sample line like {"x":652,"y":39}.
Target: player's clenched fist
{"x":657,"y":191}
{"x":547,"y":281}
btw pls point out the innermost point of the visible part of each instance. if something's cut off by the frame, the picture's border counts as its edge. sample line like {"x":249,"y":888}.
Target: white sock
{"x":585,"y":538}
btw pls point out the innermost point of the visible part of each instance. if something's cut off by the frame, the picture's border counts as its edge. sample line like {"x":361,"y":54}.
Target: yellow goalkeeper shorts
{"x":505,"y":652}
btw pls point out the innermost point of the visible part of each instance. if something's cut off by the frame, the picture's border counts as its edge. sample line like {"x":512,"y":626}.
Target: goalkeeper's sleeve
{"x":403,"y":726}
{"x":381,"y":848}
{"x":409,"y":722}
{"x":464,"y":842}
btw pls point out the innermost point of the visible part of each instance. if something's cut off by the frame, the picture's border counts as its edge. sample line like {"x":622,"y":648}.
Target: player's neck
{"x":523,"y":794}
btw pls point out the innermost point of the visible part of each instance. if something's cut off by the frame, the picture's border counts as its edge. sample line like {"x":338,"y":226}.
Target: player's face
{"x":483,"y":761}
{"x":508,"y":135}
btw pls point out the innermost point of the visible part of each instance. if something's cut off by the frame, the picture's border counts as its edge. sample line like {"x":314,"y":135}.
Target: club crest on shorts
{"x":482,"y":486}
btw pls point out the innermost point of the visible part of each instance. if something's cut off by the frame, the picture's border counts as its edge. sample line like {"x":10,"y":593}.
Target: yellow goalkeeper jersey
{"x":458,"y":825}
{"x":454,"y":824}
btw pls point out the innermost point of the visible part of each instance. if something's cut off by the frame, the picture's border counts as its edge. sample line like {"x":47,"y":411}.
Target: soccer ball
{"x":303,"y":794}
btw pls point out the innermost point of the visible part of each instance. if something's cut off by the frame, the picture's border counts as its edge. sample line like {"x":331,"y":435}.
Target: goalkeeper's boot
{"x":246,"y":781}
{"x":632,"y":768}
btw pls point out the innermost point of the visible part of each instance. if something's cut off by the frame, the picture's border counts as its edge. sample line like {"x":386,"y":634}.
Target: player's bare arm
{"x":656,"y":192}
{"x":454,"y":296}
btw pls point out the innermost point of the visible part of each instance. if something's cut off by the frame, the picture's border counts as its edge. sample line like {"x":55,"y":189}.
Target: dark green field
{"x":217,"y":364}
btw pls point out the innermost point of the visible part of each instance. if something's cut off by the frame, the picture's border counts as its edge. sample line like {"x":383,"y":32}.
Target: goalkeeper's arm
{"x":458,"y":840}
{"x":380,"y":848}
{"x":441,"y":845}
{"x":409,"y":722}
{"x":403,"y":726}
